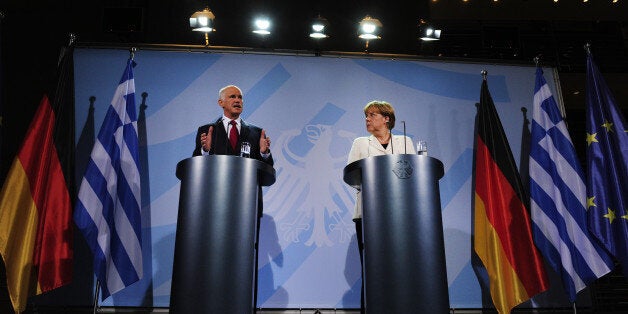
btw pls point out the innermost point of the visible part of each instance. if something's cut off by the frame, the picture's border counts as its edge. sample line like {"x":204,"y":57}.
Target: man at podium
{"x":380,"y":120}
{"x":229,"y":134}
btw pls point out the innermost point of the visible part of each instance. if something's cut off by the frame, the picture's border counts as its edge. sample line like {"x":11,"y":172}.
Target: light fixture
{"x":261,"y":26}
{"x":370,"y":28}
{"x":318,"y":28}
{"x":428,"y":32}
{"x":203,"y":21}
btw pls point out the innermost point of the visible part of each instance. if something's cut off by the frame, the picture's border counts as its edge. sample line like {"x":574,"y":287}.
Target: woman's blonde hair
{"x":385,"y":109}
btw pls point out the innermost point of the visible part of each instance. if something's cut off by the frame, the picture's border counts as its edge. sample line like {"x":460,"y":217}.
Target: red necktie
{"x":233,"y":135}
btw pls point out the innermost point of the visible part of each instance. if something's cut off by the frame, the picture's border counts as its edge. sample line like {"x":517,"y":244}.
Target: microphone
{"x":392,"y":147}
{"x":405,"y":144}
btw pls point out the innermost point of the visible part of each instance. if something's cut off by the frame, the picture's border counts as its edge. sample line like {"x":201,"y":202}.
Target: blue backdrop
{"x":311,"y":107}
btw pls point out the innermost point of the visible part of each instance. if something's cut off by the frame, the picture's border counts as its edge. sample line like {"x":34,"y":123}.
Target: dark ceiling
{"x":477,"y":29}
{"x":507,"y":31}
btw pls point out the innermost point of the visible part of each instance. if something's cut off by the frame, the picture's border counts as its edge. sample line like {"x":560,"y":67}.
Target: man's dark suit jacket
{"x":220,"y":143}
{"x":221,"y":146}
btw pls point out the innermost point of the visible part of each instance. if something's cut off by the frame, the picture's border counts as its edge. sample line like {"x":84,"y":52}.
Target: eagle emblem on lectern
{"x":402,"y":169}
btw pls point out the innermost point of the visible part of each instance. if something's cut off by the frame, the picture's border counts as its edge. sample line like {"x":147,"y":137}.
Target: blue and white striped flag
{"x":558,"y":198}
{"x":108,"y":211}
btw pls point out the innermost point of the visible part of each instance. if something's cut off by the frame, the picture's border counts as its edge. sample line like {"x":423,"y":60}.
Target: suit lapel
{"x":244,"y":132}
{"x":222,"y":146}
{"x":376,"y":145}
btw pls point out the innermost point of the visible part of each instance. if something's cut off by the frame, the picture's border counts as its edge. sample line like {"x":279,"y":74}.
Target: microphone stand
{"x":392,"y":147}
{"x":405,"y":143}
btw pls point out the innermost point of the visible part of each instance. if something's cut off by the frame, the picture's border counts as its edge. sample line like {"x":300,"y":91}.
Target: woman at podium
{"x":380,"y":120}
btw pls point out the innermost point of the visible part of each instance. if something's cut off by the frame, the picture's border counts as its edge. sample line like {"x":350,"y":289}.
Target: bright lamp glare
{"x":318,"y":27}
{"x":204,"y":29}
{"x":368,"y":28}
{"x":431,"y":34}
{"x":368,"y":36}
{"x":202,"y":21}
{"x":427,"y":32}
{"x":262,"y":24}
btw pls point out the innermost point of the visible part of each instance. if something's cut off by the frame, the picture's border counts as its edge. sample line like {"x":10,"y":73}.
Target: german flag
{"x":35,"y":204}
{"x":502,"y":233}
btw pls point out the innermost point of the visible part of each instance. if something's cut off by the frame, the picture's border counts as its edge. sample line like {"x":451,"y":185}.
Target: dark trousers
{"x":358,"y":234}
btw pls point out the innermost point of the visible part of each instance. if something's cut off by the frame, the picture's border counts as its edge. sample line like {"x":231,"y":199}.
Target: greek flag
{"x":108,"y":206}
{"x":558,"y":198}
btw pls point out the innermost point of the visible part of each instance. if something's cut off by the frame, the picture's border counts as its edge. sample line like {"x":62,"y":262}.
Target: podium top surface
{"x":266,"y":173}
{"x":352,"y":174}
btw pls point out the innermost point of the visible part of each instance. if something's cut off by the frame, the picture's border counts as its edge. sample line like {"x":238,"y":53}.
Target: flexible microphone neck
{"x":405,"y":144}
{"x":392,"y":147}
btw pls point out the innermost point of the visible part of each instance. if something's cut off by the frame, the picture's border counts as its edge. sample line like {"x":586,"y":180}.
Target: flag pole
{"x":96,"y":292}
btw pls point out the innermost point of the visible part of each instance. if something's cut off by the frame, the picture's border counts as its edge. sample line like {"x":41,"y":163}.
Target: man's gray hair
{"x":221,"y":92}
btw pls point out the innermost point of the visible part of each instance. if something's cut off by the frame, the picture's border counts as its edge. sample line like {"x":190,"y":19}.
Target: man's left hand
{"x":264,"y":143}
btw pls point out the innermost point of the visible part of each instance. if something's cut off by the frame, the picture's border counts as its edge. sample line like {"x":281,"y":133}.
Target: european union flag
{"x":607,"y":171}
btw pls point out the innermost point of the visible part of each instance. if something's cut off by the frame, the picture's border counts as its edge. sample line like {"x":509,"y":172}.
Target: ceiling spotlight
{"x":427,"y":32}
{"x":203,"y":21}
{"x":370,"y":28}
{"x":318,"y":28}
{"x":262,"y":26}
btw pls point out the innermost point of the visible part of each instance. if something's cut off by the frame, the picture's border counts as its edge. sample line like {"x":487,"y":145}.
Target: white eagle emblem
{"x":309,"y":195}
